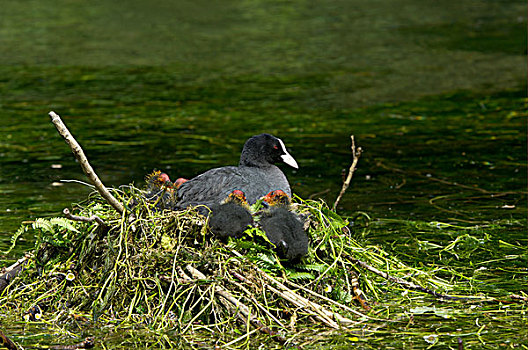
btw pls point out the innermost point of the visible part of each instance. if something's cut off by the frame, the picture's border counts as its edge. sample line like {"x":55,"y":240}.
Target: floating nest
{"x":164,"y":270}
{"x":119,"y":261}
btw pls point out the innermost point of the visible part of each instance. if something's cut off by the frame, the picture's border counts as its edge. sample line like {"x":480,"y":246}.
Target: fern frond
{"x":64,"y":223}
{"x":22,"y":229}
{"x":57,"y":231}
{"x":300,"y":275}
{"x":42,"y":224}
{"x":247,"y":245}
{"x":313,"y":267}
{"x":266,"y":261}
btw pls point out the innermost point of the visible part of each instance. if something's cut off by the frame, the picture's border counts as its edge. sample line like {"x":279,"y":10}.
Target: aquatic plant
{"x":164,"y":270}
{"x":139,"y":269}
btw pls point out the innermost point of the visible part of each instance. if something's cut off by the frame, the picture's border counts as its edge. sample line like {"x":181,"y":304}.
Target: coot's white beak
{"x":287,"y":158}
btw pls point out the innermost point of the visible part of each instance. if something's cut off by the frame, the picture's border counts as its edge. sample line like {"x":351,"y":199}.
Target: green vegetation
{"x":434,"y":92}
{"x":160,"y":277}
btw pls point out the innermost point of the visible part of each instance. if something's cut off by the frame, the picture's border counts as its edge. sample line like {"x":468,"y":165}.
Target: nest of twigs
{"x":164,"y":270}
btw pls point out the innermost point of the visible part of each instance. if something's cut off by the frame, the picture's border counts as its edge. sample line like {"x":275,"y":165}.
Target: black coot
{"x":230,"y":218}
{"x":256,"y":175}
{"x":284,"y":228}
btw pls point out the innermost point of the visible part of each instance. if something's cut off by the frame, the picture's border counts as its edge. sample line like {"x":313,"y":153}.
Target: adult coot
{"x":256,"y":175}
{"x":232,"y":217}
{"x":283,"y":228}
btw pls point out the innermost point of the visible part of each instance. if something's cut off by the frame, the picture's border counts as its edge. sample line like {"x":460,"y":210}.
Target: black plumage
{"x":230,"y":218}
{"x":256,"y":175}
{"x":283,"y":227}
{"x":285,"y":230}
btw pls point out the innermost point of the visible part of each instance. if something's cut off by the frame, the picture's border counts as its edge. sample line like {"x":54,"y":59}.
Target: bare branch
{"x":12,"y":271}
{"x":356,"y":153}
{"x":521,"y":298}
{"x":344,"y":307}
{"x":238,"y":305}
{"x":85,"y":165}
{"x":6,"y":342}
{"x":87,"y":343}
{"x":322,"y":314}
{"x":92,"y":218}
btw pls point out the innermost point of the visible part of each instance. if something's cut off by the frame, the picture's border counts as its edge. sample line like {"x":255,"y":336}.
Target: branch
{"x":356,"y":153}
{"x":85,"y":165}
{"x":92,"y":218}
{"x":8,"y":343}
{"x":243,"y":279}
{"x":517,"y":297}
{"x":344,"y":307}
{"x":88,"y":343}
{"x":405,"y":284}
{"x":322,"y":314}
{"x":12,"y":271}
{"x":238,"y":305}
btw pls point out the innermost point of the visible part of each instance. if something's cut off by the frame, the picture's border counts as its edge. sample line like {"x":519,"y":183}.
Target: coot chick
{"x":255,"y":175}
{"x":179,"y":181}
{"x":231,"y":217}
{"x":277,"y":198}
{"x":284,"y":228}
{"x":157,"y":181}
{"x":160,"y":190}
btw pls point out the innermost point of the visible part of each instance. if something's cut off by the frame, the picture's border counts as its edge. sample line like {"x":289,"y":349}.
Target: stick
{"x":344,"y":307}
{"x":405,"y":284}
{"x":8,"y":343}
{"x":12,"y":271}
{"x":517,"y":297}
{"x":356,"y":153}
{"x":244,"y":310}
{"x":300,"y":303}
{"x":324,"y":315}
{"x":88,"y":343}
{"x":85,"y":165}
{"x":92,"y":218}
{"x":248,"y":293}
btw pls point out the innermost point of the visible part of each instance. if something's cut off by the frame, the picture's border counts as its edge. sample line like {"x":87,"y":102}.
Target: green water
{"x":434,"y":93}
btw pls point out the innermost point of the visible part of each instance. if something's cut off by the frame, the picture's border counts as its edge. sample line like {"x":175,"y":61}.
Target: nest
{"x":119,"y":261}
{"x":164,"y":270}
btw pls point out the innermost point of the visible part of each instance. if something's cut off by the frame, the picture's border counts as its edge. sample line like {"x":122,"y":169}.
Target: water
{"x":433,"y":92}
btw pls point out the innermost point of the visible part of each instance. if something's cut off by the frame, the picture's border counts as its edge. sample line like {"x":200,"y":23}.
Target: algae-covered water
{"x":434,"y":92}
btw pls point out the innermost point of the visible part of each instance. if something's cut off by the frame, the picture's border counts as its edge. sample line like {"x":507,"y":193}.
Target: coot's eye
{"x":276,"y":147}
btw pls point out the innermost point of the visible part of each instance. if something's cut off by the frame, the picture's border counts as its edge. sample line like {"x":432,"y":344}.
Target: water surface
{"x":433,"y":91}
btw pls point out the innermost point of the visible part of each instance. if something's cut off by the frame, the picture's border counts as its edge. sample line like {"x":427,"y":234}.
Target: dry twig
{"x":356,"y":153}
{"x":87,"y":343}
{"x":321,"y":313}
{"x":92,"y":218}
{"x":6,"y":342}
{"x":238,"y":305}
{"x":521,"y":298}
{"x":85,"y":165}
{"x":12,"y":271}
{"x":344,"y":307}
